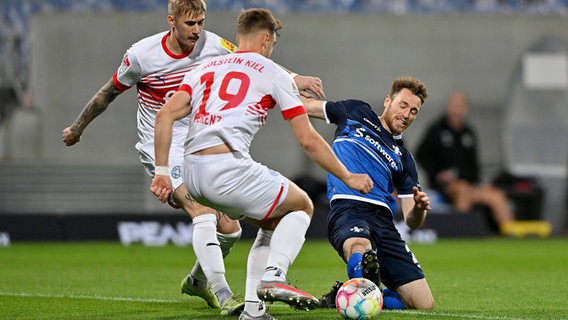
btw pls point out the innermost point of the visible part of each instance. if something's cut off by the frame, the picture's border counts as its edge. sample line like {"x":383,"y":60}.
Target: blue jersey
{"x":364,"y":146}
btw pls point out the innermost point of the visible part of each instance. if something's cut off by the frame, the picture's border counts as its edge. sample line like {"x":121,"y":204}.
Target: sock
{"x":228,"y":240}
{"x":196,"y":282}
{"x":208,"y":251}
{"x":256,"y":263}
{"x":354,"y":266}
{"x":391,"y":300}
{"x":287,"y":240}
{"x":223,"y":294}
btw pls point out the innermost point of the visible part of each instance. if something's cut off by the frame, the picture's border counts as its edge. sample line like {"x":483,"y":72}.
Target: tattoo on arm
{"x":189,"y":198}
{"x":97,"y":105}
{"x":220,"y":216}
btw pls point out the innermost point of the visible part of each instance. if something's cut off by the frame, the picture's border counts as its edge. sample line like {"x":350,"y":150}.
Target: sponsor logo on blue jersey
{"x":373,"y":141}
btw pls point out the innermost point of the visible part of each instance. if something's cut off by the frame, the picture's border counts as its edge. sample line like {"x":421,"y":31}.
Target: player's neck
{"x":175,"y":46}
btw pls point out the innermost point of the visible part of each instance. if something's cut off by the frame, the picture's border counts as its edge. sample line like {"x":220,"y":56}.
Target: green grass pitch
{"x":493,"y":279}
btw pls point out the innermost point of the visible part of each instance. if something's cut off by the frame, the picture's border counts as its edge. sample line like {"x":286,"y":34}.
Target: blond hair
{"x":177,"y":8}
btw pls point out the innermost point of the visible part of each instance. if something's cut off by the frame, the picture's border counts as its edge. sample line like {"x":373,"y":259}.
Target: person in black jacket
{"x":448,"y":154}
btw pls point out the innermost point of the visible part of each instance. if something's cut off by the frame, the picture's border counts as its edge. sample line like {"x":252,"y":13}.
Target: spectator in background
{"x":448,"y":153}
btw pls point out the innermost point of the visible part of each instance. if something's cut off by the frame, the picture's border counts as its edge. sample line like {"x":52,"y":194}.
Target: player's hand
{"x":360,"y":182}
{"x":421,"y":199}
{"x":70,"y":137}
{"x":161,"y":187}
{"x":307,"y":84}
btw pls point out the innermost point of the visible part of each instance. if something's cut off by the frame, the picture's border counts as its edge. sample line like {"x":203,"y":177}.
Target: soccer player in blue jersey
{"x":361,"y":226}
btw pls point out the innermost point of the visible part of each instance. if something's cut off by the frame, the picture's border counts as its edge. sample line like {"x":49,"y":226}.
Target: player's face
{"x":187,"y":29}
{"x":400,"y":111}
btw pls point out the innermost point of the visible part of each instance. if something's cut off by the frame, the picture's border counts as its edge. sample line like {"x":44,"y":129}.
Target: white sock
{"x":208,"y":251}
{"x":227,"y":241}
{"x":256,"y":263}
{"x":287,"y":240}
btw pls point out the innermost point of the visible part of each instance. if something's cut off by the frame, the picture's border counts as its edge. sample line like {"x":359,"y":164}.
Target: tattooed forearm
{"x":97,"y":105}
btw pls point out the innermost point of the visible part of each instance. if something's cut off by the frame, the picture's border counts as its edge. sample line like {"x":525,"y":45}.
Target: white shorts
{"x":146,"y":156}
{"x":234,"y":184}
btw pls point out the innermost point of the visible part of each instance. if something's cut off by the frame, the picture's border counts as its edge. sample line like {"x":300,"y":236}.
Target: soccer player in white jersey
{"x":226,"y":101}
{"x":156,"y":65}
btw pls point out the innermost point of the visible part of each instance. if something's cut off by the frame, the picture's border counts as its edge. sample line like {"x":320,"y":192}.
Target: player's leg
{"x":348,"y":232}
{"x":206,"y":223}
{"x":406,"y":287}
{"x":251,"y":190}
{"x":416,"y":295}
{"x":361,"y":260}
{"x":228,"y":233}
{"x":256,"y":263}
{"x":208,"y":273}
{"x":294,"y":215}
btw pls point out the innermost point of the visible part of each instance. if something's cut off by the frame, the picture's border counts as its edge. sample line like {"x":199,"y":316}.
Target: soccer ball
{"x":359,"y":299}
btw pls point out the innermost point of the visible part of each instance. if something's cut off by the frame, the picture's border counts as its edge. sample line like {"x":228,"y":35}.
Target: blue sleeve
{"x":338,"y":111}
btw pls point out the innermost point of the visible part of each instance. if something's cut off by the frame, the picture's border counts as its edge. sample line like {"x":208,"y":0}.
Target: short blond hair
{"x":177,"y":8}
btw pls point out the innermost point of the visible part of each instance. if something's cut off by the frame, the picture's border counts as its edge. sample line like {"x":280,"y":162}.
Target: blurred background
{"x":510,"y":56}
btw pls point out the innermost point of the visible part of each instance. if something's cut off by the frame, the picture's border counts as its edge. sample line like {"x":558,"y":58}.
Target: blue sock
{"x":391,"y":300}
{"x":354,"y":266}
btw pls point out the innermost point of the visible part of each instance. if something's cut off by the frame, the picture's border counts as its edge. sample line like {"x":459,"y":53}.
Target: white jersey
{"x":157,"y":74}
{"x":231,"y":96}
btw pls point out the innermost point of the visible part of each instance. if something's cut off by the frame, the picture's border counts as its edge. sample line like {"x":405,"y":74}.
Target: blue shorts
{"x":356,"y":219}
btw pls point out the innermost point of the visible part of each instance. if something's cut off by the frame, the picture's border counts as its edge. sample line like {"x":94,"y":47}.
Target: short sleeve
{"x":287,"y":96}
{"x":128,"y":73}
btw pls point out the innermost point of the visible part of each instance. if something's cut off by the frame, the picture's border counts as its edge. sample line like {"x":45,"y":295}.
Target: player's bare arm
{"x":414,"y":209}
{"x":319,"y":151}
{"x":313,"y":107}
{"x":175,"y":108}
{"x":97,"y":105}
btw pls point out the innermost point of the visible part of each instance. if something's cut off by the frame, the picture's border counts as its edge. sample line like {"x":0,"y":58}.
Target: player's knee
{"x":304,"y":203}
{"x":425,"y":304}
{"x":227,"y":225}
{"x":355,"y":245}
{"x":309,"y":208}
{"x":301,"y":200}
{"x":417,"y":295}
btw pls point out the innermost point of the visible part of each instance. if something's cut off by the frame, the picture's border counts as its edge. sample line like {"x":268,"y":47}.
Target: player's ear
{"x":266,"y":37}
{"x":171,"y":20}
{"x":387,"y":101}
